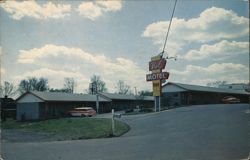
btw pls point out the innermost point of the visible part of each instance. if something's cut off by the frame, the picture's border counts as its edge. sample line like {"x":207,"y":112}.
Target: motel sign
{"x":156,"y":65}
{"x":157,"y":76}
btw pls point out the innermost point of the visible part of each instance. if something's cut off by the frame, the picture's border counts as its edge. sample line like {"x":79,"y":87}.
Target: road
{"x":212,"y":132}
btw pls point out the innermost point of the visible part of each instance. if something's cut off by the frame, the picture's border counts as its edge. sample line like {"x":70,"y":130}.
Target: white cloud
{"x":20,"y":9}
{"x":2,"y":71}
{"x":55,"y":77}
{"x":110,"y":5}
{"x":76,"y":60}
{"x":92,"y":10}
{"x":221,"y":49}
{"x":212,"y":24}
{"x":229,"y":72}
{"x":213,"y":69}
{"x":89,"y":10}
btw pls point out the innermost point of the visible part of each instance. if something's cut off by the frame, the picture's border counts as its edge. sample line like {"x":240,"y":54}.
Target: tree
{"x":122,"y":88}
{"x":142,"y":94}
{"x":97,"y":85}
{"x":42,"y":84}
{"x":216,"y":84}
{"x":33,"y":84}
{"x":7,"y":89}
{"x":145,"y":93}
{"x":69,"y":85}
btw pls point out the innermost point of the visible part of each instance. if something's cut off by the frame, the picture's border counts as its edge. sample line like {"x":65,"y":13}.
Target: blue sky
{"x":115,"y":39}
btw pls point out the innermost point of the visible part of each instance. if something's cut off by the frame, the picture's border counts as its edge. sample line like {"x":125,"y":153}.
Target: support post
{"x":113,"y":123}
{"x":155,"y":103}
{"x":159,"y":104}
{"x":97,"y":103}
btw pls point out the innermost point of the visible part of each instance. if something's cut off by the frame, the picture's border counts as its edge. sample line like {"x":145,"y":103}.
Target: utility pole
{"x":135,"y":91}
{"x":113,"y":123}
{"x":97,"y":103}
{"x":95,"y":88}
{"x":1,"y":53}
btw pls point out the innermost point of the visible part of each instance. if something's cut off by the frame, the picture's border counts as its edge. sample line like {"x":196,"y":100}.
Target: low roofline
{"x":105,"y":97}
{"x":176,"y":84}
{"x":134,"y":97}
{"x":222,"y":89}
{"x":34,"y":94}
{"x":29,"y":92}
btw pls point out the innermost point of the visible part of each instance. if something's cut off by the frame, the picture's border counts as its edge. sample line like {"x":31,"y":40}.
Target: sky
{"x":116,"y":40}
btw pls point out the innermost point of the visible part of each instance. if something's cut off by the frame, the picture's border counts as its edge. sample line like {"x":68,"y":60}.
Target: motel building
{"x":35,"y":105}
{"x":177,"y":94}
{"x":44,"y":105}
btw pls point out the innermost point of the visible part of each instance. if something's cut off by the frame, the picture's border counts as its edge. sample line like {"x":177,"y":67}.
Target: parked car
{"x":82,"y":112}
{"x":230,"y":99}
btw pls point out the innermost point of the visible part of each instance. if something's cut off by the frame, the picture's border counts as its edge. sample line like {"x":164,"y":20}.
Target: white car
{"x":82,"y":112}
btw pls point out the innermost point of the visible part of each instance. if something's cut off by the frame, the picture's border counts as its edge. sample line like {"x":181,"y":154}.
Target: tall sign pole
{"x":156,"y":65}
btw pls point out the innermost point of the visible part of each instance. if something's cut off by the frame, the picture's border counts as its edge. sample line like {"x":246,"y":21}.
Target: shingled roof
{"x":189,"y":87}
{"x":69,"y":97}
{"x":66,"y":97}
{"x":114,"y":96}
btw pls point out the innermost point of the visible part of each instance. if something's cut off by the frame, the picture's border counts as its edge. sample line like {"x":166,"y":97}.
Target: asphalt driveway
{"x":212,"y":132}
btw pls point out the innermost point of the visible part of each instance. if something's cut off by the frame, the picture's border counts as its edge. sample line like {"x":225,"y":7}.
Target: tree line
{"x":41,"y":84}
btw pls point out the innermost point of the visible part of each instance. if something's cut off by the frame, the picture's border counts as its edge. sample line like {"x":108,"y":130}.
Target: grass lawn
{"x":71,"y":128}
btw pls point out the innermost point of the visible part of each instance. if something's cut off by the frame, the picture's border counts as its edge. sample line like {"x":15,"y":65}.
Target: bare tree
{"x":97,"y":85}
{"x":145,"y":93}
{"x":122,"y":88}
{"x":33,"y":84}
{"x":7,"y":89}
{"x":24,"y":86}
{"x":69,"y":85}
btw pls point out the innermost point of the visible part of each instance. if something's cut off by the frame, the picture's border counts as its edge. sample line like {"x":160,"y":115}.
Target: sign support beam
{"x":159,"y":104}
{"x":155,"y":104}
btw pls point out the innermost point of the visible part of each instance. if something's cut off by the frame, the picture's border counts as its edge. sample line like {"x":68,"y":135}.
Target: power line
{"x":169,"y":27}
